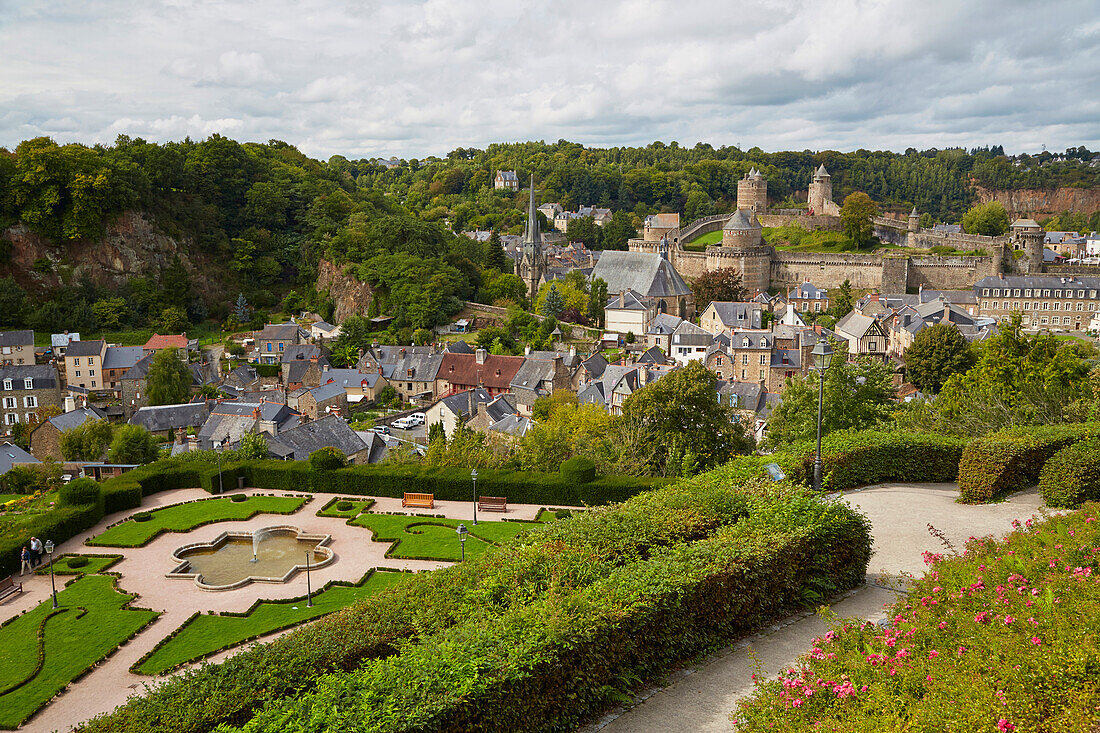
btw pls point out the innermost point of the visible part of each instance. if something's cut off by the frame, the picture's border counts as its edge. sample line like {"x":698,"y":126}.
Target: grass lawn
{"x":203,"y":635}
{"x":700,"y":243}
{"x":185,"y":517}
{"x":429,"y":538}
{"x":91,"y":623}
{"x":358,"y":506}
{"x":547,"y":515}
{"x":4,"y":498}
{"x":96,"y":564}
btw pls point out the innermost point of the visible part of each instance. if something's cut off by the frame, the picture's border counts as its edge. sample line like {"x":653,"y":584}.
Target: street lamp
{"x":309,"y":594}
{"x":473,"y":475}
{"x":462,"y":532}
{"x":823,"y":357}
{"x":53,"y":587}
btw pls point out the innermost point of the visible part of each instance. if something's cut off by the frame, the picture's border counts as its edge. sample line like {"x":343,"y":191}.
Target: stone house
{"x":359,"y":386}
{"x":460,"y":372}
{"x":689,"y":343}
{"x":157,"y":342}
{"x":117,"y":361}
{"x":296,"y":444}
{"x":506,"y":181}
{"x":410,"y":370}
{"x":808,"y":298}
{"x":24,"y":389}
{"x":660,"y":331}
{"x":651,"y":276}
{"x":230,"y":419}
{"x":865,"y":335}
{"x":171,"y":420}
{"x":316,"y":402}
{"x":84,"y":364}
{"x":626,"y":313}
{"x":46,"y":438}
{"x":456,"y":408}
{"x":274,"y":339}
{"x":16,"y":347}
{"x":727,"y":315}
{"x":541,"y":377}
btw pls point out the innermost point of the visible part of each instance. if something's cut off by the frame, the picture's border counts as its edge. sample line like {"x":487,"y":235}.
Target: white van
{"x":404,"y":423}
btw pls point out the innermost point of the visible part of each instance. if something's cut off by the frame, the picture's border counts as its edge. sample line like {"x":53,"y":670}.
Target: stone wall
{"x":807,"y":222}
{"x":690,"y":265}
{"x":950,"y":273}
{"x":789,"y":269}
{"x":887,"y":274}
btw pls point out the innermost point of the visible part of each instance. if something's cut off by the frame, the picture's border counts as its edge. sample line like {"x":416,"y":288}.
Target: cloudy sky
{"x":382,"y":77}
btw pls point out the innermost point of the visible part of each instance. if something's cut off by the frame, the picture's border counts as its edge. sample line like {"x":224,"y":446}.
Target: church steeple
{"x":531,"y":264}
{"x":532,"y":218}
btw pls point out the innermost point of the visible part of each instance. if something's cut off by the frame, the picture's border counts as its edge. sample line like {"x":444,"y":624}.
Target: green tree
{"x":327,"y":459}
{"x":293,"y":303}
{"x":682,"y":410}
{"x":584,"y":229}
{"x":436,"y":433}
{"x":554,"y":304}
{"x":241,"y":309}
{"x":989,"y":218}
{"x":12,"y":300}
{"x":597,"y":301}
{"x":345,"y":356}
{"x":253,"y":447}
{"x":697,"y":205}
{"x":111,"y":314}
{"x":855,"y":217}
{"x":169,"y":380}
{"x":87,"y":441}
{"x":721,"y":285}
{"x":935,"y":355}
{"x":493,"y":256}
{"x":842,"y":300}
{"x":857,"y":395}
{"x":617,"y":232}
{"x":133,"y":444}
{"x":173,"y":320}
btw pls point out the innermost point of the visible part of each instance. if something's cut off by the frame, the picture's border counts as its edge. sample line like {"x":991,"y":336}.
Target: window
{"x":9,"y":403}
{"x":1056,"y":306}
{"x":761,"y":374}
{"x":763,"y":359}
{"x":280,"y":346}
{"x":1015,"y":305}
{"x":743,"y":374}
{"x":1016,"y":293}
{"x":1005,"y":304}
{"x":1057,"y":293}
{"x":269,"y":346}
{"x":718,"y":361}
{"x":744,"y":359}
{"x":1043,"y":320}
{"x":91,"y":372}
{"x":1080,"y":293}
{"x":1080,"y":306}
{"x":985,"y":292}
{"x":7,"y":384}
{"x":28,"y":383}
{"x":996,"y":293}
{"x":93,"y":382}
{"x":76,"y":361}
{"x":11,"y":418}
{"x":872,"y":345}
{"x":764,"y":342}
{"x":1027,"y":293}
{"x":30,"y":401}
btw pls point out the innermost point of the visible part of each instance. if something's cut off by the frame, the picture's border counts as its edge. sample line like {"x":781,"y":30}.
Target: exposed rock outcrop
{"x":352,"y":297}
{"x":1038,"y":202}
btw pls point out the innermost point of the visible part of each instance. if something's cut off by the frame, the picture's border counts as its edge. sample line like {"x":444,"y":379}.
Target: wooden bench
{"x":492,"y":503}
{"x":8,"y":587}
{"x":425,"y":501}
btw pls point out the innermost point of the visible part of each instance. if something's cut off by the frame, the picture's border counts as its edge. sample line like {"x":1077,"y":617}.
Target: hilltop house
{"x":16,"y":347}
{"x":24,"y":389}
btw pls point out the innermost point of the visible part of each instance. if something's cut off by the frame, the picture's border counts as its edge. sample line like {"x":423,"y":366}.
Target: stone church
{"x":530,"y":266}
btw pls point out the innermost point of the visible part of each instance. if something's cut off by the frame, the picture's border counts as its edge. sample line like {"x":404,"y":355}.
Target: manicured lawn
{"x":427,"y":538}
{"x":700,"y":243}
{"x":96,"y":564}
{"x":203,"y":635}
{"x":185,"y":517}
{"x":92,"y":621}
{"x":358,"y":506}
{"x":547,"y":515}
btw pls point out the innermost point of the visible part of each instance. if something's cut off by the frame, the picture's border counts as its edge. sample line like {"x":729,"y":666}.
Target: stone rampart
{"x":807,"y":222}
{"x":789,"y":269}
{"x":950,"y":272}
{"x":690,"y":265}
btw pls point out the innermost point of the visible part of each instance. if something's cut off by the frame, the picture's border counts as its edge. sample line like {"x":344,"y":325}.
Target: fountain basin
{"x":226,"y":562}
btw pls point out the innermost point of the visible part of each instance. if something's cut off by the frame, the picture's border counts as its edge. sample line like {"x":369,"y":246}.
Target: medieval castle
{"x":761,"y":266}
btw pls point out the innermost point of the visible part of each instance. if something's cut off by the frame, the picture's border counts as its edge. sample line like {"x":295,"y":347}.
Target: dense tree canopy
{"x":169,"y":380}
{"x":990,"y":219}
{"x":935,"y":355}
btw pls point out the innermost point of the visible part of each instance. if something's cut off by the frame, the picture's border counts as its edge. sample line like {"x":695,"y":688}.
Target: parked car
{"x":381,"y":429}
{"x":419,"y":417}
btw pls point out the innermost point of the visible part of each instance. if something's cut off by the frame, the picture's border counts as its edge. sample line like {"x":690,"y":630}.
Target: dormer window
{"x":28,"y":383}
{"x":764,"y":342}
{"x":745,"y":341}
{"x":7,"y":384}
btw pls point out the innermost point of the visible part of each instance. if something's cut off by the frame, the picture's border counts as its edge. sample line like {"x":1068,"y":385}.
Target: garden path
{"x":143,"y":569}
{"x":700,"y":698}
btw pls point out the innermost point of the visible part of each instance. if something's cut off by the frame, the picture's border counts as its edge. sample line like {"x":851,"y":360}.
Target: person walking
{"x":25,"y":556}
{"x":36,"y":551}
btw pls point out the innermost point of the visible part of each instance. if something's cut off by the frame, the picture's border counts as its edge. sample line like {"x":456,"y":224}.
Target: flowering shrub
{"x":1002,"y":638}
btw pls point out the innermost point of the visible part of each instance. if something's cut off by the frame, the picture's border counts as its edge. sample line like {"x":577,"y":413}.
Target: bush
{"x":120,"y":495}
{"x":1072,"y":476}
{"x":79,"y":492}
{"x":652,"y":581}
{"x":344,"y":506}
{"x":578,"y":470}
{"x":237,"y":497}
{"x":1012,"y":459}
{"x":327,"y":459}
{"x":1002,"y":638}
{"x":77,"y":561}
{"x":142,"y":517}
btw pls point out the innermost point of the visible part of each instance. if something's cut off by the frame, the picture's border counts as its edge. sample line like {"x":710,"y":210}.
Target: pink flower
{"x":1036,"y":640}
{"x":943,"y":624}
{"x":797,"y":702}
{"x":961,"y":650}
{"x":1008,"y":620}
{"x":933,"y":654}
{"x":1004,"y":726}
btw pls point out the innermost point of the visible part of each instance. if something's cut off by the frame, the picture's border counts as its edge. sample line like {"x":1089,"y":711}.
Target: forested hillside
{"x":256,"y":218}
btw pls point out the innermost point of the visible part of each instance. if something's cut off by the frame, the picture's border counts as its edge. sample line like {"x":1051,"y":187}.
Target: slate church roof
{"x":648,"y":274}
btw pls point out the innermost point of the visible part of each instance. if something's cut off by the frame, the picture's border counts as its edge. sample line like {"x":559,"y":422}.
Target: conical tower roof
{"x":821,"y":172}
{"x":914,"y":212}
{"x":741,"y":221}
{"x":532,"y":218}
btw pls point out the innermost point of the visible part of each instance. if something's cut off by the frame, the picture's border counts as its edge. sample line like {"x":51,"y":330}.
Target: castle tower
{"x":914,"y":220}
{"x":752,"y":192}
{"x":821,"y":190}
{"x":531,"y":264}
{"x":744,"y":250}
{"x":742,"y":231}
{"x":1027,"y":236}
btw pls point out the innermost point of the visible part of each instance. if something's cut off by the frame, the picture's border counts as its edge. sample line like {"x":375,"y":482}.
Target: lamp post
{"x":53,"y":587}
{"x":462,"y":532}
{"x":823,"y":357}
{"x":221,"y":447}
{"x":309,"y":593}
{"x":473,"y":475}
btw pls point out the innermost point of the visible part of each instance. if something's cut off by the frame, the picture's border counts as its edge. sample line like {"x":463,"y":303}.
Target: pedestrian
{"x":25,"y":556}
{"x":36,"y":551}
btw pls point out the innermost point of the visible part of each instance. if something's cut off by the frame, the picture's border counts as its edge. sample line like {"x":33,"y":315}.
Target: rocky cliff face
{"x":351,"y":297}
{"x":1038,"y":202}
{"x":131,"y":246}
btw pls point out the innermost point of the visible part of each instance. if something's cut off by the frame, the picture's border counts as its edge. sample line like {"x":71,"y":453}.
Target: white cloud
{"x":419,"y":78}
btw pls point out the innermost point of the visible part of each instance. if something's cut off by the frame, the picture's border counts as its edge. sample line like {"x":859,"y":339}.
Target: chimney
{"x":324,"y":368}
{"x":479,"y":356}
{"x":70,"y":403}
{"x":256,"y":413}
{"x":313,"y":359}
{"x":527,"y":350}
{"x":572,"y":351}
{"x":622,"y":298}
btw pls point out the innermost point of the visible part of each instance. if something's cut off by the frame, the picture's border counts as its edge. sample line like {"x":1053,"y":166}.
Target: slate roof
{"x":497,"y":372}
{"x":1049,"y":282}
{"x":11,"y":454}
{"x":809,"y":291}
{"x":594,"y":365}
{"x":688,"y":334}
{"x":741,"y":221}
{"x":170,"y":417}
{"x":296,"y":370}
{"x":16,"y":338}
{"x":328,"y":432}
{"x":242,"y":377}
{"x":44,"y":376}
{"x":121,"y":357}
{"x":350,"y":378}
{"x":1025,"y":224}
{"x":327,"y":391}
{"x":459,"y":347}
{"x":855,"y":324}
{"x":514,"y":425}
{"x":84,"y":348}
{"x":663,"y":221}
{"x":626,"y":300}
{"x":532,"y":374}
{"x":649,"y":274}
{"x":793,"y":358}
{"x":508,"y":176}
{"x":663,"y":323}
{"x":299,"y":352}
{"x":735,"y":314}
{"x":753,"y":340}
{"x":279,"y":331}
{"x":77,"y":417}
{"x":464,"y":404}
{"x":742,"y":395}
{"x":653,"y":355}
{"x":821,"y":172}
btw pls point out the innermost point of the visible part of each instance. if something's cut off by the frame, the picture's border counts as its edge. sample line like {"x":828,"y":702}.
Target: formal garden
{"x":653,"y":573}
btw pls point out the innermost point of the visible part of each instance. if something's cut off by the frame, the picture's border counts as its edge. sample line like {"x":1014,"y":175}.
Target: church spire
{"x":532,"y":218}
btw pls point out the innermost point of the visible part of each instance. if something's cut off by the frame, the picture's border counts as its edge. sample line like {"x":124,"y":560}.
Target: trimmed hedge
{"x":1072,"y":476}
{"x":859,"y":458}
{"x":57,"y":525}
{"x":538,"y":633}
{"x":578,"y":469}
{"x":1012,"y":459}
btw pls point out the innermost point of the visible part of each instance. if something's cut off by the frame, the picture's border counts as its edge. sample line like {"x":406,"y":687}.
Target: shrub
{"x":77,"y":561}
{"x":79,"y":492}
{"x":1002,"y":638}
{"x":652,"y":581}
{"x":237,"y":497}
{"x":119,"y":494}
{"x":562,"y":514}
{"x":327,"y":459}
{"x":344,"y":506}
{"x":142,"y":517}
{"x":578,"y":469}
{"x":1072,"y":475}
{"x":1012,"y":459}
